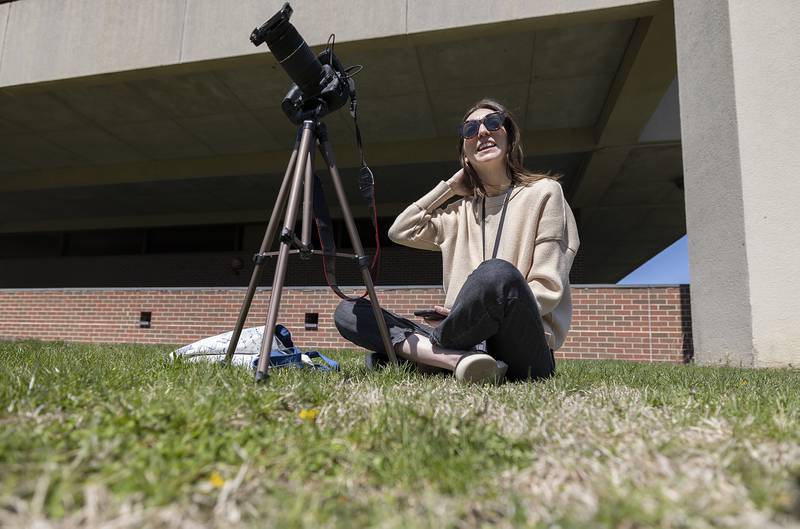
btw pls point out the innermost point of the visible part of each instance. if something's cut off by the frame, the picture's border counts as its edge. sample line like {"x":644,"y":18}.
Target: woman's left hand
{"x":458,"y":183}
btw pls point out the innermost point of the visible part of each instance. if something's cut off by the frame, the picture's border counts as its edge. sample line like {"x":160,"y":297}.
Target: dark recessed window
{"x":30,"y":245}
{"x":192,"y":239}
{"x":104,"y":242}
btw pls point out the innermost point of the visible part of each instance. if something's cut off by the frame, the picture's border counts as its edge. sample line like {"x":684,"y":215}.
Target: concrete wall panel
{"x":712,"y":179}
{"x":424,"y":15}
{"x":216,"y":28}
{"x":5,"y":9}
{"x":739,"y":77}
{"x":60,"y":39}
{"x":56,"y":39}
{"x":766,"y":62}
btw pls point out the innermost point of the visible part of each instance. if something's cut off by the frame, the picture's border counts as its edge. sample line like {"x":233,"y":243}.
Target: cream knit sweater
{"x":539,"y":237}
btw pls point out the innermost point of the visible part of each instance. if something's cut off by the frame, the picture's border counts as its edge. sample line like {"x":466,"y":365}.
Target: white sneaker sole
{"x":480,"y":368}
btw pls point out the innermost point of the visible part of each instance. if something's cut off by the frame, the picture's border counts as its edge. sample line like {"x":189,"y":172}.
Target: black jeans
{"x":495,"y":306}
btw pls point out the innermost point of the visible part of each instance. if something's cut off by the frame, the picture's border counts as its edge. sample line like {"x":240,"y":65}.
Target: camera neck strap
{"x":354,"y":115}
{"x":366,"y":185}
{"x":499,"y":227}
{"x":325,"y":232}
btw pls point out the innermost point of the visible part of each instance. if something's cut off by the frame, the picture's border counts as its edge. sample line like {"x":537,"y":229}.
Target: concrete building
{"x":142,"y":143}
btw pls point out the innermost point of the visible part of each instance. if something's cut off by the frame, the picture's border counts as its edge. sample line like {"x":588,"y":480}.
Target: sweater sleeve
{"x":420,"y":225}
{"x":549,"y":274}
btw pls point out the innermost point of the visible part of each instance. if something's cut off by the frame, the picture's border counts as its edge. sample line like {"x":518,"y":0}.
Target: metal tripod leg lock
{"x":299,"y":177}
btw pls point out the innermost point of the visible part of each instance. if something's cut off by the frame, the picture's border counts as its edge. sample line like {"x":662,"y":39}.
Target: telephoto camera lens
{"x":292,"y":52}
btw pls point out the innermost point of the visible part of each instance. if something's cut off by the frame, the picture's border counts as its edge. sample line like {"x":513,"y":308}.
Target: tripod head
{"x":321,"y":83}
{"x":299,"y":107}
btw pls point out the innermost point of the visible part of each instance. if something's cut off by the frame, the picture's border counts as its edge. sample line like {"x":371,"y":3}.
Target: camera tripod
{"x":300,"y":175}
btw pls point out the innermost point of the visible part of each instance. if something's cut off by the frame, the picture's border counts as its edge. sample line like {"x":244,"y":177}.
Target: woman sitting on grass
{"x":507,"y":246}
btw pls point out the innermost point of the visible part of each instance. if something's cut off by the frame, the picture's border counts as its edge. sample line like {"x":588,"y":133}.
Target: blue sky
{"x":670,"y":266}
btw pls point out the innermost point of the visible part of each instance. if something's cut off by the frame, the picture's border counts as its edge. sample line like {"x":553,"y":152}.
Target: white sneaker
{"x":480,"y":368}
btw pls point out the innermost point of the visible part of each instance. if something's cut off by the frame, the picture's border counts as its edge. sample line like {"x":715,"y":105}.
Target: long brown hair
{"x":514,"y":158}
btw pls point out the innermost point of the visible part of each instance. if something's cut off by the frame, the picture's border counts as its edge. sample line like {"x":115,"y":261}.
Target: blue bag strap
{"x":291,"y":357}
{"x":285,"y":360}
{"x":278,"y":358}
{"x":330,"y":364}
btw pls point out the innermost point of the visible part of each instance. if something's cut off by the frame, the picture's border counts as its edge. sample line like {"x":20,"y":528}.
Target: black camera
{"x":321,"y":82}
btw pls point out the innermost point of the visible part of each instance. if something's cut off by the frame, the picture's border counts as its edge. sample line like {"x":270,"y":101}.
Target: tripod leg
{"x":308,"y":201}
{"x":283,"y":253}
{"x":363,"y":260}
{"x":255,"y":278}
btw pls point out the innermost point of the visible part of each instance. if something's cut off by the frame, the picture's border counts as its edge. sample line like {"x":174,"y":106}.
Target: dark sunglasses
{"x":492,"y":122}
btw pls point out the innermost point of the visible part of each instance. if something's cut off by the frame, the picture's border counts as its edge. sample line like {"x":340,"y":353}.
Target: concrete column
{"x":739,"y":78}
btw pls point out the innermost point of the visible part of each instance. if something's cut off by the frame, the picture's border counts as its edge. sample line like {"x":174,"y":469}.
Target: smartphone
{"x":429,"y":314}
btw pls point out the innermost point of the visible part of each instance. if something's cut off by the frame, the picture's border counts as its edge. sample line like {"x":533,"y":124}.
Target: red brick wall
{"x":636,"y":323}
{"x":631,"y":323}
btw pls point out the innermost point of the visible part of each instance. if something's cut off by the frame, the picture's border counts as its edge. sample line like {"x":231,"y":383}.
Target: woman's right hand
{"x":458,"y":183}
{"x":444,"y":311}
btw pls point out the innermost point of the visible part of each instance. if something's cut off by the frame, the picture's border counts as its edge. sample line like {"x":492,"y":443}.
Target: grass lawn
{"x":116,"y":436}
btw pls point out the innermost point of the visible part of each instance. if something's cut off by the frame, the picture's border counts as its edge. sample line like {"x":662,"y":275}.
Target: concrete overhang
{"x":49,"y":40}
{"x":195,"y":135}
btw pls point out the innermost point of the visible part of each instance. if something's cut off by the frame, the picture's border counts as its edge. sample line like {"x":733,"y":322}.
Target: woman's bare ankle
{"x":419,"y":349}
